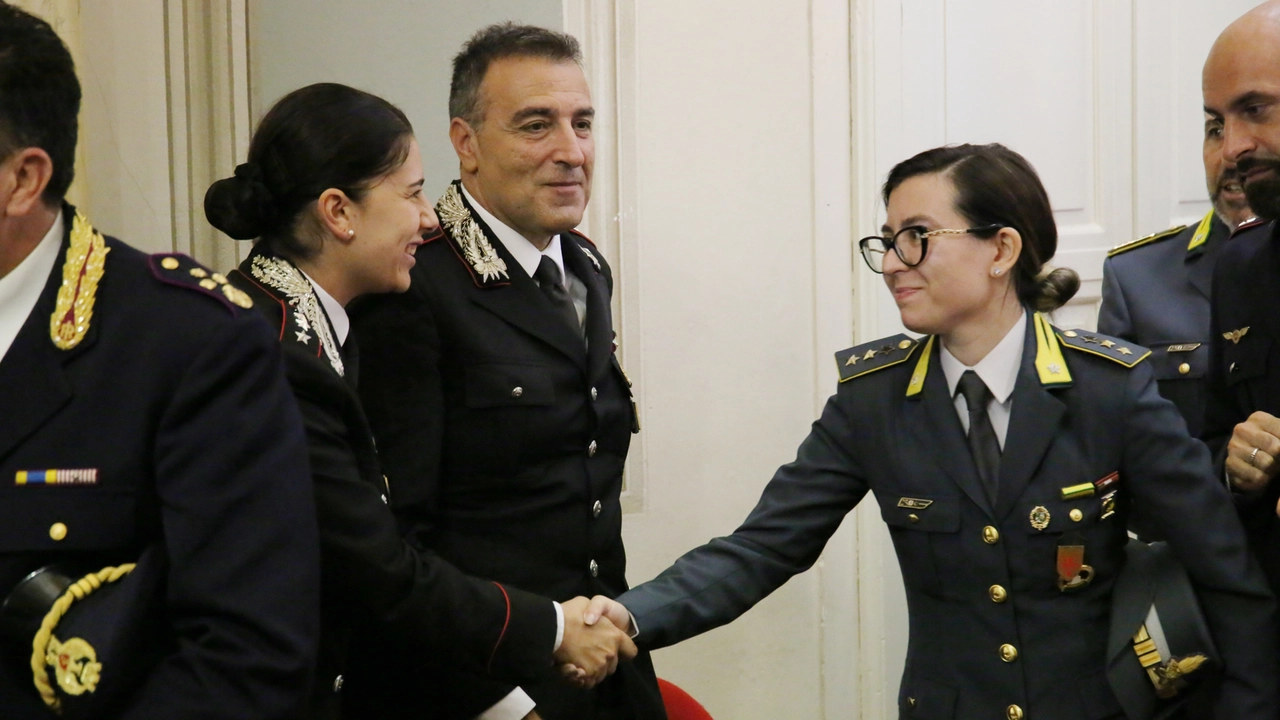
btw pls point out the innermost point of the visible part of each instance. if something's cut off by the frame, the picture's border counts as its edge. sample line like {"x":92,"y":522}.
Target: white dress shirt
{"x":999,"y":370}
{"x":517,"y":703}
{"x":337,"y":314}
{"x":529,"y":256}
{"x":20,"y":289}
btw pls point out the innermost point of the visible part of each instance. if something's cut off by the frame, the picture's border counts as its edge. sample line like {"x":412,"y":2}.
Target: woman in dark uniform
{"x":332,"y":190}
{"x":1005,"y":455}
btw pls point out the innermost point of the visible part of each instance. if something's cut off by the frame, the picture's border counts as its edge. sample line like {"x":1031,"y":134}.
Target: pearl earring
{"x":351,"y":233}
{"x":995,"y":271}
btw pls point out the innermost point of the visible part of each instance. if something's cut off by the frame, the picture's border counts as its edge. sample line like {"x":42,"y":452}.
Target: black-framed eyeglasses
{"x":910,"y":244}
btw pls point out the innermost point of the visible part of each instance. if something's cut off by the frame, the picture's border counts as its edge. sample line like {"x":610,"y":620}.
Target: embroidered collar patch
{"x":81,"y":272}
{"x":286,"y":279}
{"x":468,"y":237}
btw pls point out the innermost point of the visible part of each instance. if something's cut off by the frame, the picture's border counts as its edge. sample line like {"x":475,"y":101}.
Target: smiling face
{"x":390,"y":222}
{"x":530,"y":160}
{"x":954,"y":285}
{"x":1241,"y":84}
{"x":1226,"y":193}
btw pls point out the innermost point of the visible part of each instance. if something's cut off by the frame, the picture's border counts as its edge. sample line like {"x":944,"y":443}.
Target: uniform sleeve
{"x":800,"y":509}
{"x":1113,"y":316}
{"x":417,"y":601}
{"x":1172,"y":475}
{"x":240,"y":532}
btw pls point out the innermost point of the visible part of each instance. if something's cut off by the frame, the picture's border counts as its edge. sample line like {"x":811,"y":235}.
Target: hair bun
{"x":1054,"y":287}
{"x":241,"y":206}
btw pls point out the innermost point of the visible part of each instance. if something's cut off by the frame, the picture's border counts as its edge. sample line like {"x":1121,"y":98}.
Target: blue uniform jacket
{"x":177,"y":398}
{"x":992,"y":635}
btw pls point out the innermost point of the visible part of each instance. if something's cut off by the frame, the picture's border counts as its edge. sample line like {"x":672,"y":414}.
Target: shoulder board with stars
{"x":869,"y":357}
{"x":183,"y":271}
{"x":1153,"y":237}
{"x":1114,"y":349}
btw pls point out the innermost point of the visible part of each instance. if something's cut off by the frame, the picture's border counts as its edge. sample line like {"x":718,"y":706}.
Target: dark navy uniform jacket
{"x":1155,"y":292}
{"x":412,"y":608}
{"x":504,"y":435}
{"x":1245,"y":371}
{"x":992,"y":635}
{"x":177,"y":398}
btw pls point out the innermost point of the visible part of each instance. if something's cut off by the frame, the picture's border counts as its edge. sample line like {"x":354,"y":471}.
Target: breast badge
{"x":1235,"y":335}
{"x":1073,"y":574}
{"x":1040,"y":517}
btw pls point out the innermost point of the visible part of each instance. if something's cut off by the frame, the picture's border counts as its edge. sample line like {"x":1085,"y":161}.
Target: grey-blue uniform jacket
{"x":992,"y":635}
{"x":1155,"y":292}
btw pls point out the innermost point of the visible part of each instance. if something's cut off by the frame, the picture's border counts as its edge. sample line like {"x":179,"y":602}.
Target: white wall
{"x":398,"y":49}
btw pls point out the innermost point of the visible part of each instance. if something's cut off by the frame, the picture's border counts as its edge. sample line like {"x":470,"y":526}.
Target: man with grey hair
{"x":502,"y":415}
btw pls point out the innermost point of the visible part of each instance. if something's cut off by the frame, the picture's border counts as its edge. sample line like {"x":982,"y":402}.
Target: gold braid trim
{"x":81,"y":271}
{"x":44,"y":641}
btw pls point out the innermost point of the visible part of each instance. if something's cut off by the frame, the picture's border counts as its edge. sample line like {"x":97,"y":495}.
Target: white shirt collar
{"x":998,"y":370}
{"x":20,"y":289}
{"x":337,"y":314}
{"x":525,"y":252}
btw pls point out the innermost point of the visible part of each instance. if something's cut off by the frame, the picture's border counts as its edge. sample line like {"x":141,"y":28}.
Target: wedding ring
{"x":1253,"y":456}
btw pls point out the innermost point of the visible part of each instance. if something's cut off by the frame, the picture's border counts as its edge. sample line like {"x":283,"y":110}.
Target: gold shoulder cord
{"x":75,"y":662}
{"x":83,"y":268}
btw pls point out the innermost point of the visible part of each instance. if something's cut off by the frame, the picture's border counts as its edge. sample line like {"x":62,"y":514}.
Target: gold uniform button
{"x":1070,"y":333}
{"x":169,"y":263}
{"x":904,"y":344}
{"x":208,"y":284}
{"x":914,"y":518}
{"x":1013,"y":712}
{"x":1184,"y":368}
{"x":990,"y":535}
{"x":998,"y":594}
{"x":1008,"y":653}
{"x":1076,"y":515}
{"x":57,"y":531}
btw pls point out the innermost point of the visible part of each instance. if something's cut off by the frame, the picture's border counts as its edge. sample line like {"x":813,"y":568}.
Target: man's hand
{"x":1252,"y":453}
{"x":602,"y":606}
{"x":590,"y":652}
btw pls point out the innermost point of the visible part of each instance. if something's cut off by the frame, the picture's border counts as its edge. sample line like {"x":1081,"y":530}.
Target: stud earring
{"x":351,"y":233}
{"x":995,"y":272}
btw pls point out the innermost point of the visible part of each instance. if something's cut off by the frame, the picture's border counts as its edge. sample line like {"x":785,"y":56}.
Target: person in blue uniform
{"x":150,"y":451}
{"x":492,"y":385}
{"x":1241,"y":86}
{"x":1156,"y":289}
{"x":1005,"y":455}
{"x":333,"y":191}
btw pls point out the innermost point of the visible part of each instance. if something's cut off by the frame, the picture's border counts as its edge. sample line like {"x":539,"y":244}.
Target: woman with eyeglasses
{"x":1005,"y":455}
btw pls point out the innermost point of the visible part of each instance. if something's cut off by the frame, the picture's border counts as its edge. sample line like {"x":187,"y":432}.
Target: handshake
{"x":590,"y":650}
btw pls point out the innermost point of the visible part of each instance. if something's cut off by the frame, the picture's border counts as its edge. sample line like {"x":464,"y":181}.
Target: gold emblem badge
{"x":75,"y":665}
{"x":1235,"y":335}
{"x":466,"y":231}
{"x":81,"y":271}
{"x":914,"y":503}
{"x":1040,"y":517}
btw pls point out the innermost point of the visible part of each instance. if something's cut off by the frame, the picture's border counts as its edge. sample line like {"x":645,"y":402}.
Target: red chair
{"x":680,"y":705}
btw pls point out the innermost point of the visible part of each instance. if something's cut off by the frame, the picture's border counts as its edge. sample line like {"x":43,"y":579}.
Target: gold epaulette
{"x":1114,"y":349}
{"x":1153,"y":237}
{"x":869,"y":357}
{"x":182,"y":271}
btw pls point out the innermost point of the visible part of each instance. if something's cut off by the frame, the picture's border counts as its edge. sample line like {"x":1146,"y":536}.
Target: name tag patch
{"x":73,"y":476}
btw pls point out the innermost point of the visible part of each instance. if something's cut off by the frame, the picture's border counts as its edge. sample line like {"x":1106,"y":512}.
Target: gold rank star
{"x":870,"y":354}
{"x":1090,"y":339}
{"x":303,"y":337}
{"x":1108,"y":344}
{"x":853,"y":359}
{"x":1125,"y":351}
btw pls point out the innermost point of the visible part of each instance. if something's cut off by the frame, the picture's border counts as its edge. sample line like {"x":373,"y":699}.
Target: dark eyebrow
{"x":1251,"y":98}
{"x":913,"y":220}
{"x":527,"y":113}
{"x":417,"y":184}
{"x":585,"y":113}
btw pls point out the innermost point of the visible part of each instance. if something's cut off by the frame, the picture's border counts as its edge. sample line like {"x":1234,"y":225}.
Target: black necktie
{"x":548,"y":277}
{"x":982,"y":437}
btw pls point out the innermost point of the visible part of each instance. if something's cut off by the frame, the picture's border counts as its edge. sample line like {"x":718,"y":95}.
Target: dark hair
{"x":39,"y":96}
{"x":496,"y":42}
{"x":997,"y":186}
{"x":318,"y":137}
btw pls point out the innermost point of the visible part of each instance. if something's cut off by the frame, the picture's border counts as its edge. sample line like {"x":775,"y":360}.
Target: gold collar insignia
{"x":81,"y":271}
{"x":466,"y":232}
{"x":1235,"y":335}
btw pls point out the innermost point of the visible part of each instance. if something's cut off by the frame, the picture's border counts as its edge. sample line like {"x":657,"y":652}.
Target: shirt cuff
{"x":559,"y":626}
{"x":635,"y":627}
{"x":514,"y":706}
